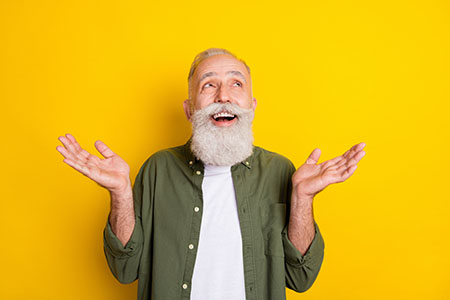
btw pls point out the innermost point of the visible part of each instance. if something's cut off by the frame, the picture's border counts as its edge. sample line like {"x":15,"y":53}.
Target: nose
{"x":223,"y":95}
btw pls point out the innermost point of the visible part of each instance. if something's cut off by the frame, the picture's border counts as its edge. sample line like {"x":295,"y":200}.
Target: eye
{"x":207,"y":84}
{"x":238,"y":83}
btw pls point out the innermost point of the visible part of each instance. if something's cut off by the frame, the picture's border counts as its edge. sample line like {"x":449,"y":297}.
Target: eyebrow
{"x":235,"y":73}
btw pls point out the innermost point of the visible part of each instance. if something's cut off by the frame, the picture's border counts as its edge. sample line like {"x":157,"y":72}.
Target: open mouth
{"x":223,"y":118}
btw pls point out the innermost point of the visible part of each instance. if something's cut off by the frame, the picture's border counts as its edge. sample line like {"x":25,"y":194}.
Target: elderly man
{"x":216,"y":218}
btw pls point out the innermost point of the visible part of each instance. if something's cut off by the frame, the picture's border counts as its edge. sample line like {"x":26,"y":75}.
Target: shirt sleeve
{"x":302,"y":270}
{"x":123,"y":261}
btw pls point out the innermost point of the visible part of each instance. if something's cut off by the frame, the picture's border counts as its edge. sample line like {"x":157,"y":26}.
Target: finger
{"x":355,"y":148}
{"x":66,"y":143}
{"x":331,"y":162}
{"x":313,"y":157}
{"x":344,"y":174}
{"x":64,"y":152}
{"x":358,"y":153}
{"x":340,"y":163}
{"x":68,"y":152}
{"x":71,"y":138}
{"x":92,"y":160}
{"x":77,"y":146}
{"x":351,"y":162}
{"x":71,"y":151}
{"x":77,"y":166}
{"x":340,"y":160}
{"x":103,"y":149}
{"x":346,"y":158}
{"x":356,"y":158}
{"x":348,"y":152}
{"x":349,"y":172}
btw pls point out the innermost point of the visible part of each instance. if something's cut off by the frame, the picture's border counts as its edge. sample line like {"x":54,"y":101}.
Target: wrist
{"x":121,"y":199}
{"x":124,"y":189}
{"x":301,"y":199}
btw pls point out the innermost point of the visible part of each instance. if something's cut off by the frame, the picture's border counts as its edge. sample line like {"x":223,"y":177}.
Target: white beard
{"x":222,"y":146}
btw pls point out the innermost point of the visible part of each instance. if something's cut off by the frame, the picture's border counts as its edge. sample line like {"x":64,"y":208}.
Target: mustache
{"x":215,"y":108}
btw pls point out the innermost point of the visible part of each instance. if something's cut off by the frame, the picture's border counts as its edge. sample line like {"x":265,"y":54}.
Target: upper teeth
{"x":223,"y":114}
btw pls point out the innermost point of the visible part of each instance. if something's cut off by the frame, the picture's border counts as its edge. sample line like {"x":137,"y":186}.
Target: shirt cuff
{"x":114,"y":246}
{"x":294,"y":257}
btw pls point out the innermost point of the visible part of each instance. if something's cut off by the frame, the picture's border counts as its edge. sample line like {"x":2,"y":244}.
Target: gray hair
{"x":204,"y":55}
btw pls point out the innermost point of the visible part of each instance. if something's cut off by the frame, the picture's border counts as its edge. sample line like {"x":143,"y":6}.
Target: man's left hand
{"x":311,"y":178}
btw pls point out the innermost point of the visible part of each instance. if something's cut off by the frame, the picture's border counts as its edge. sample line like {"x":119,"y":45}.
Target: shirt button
{"x":196,"y":209}
{"x":191,"y":246}
{"x":198,"y":172}
{"x":184,"y":286}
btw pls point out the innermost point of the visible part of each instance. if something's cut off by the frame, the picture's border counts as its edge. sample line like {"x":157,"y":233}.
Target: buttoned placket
{"x":238,"y":174}
{"x":197,"y":171}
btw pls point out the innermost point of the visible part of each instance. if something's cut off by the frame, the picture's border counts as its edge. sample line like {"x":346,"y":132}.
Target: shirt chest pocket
{"x":273,"y":218}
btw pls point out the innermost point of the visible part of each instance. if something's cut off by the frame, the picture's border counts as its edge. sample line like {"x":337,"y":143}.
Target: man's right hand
{"x":112,"y":173}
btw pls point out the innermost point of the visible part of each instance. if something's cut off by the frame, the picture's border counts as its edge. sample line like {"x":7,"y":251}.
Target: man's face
{"x":220,"y":79}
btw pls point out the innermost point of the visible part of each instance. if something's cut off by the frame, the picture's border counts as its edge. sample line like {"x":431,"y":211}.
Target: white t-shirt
{"x":219,"y":268}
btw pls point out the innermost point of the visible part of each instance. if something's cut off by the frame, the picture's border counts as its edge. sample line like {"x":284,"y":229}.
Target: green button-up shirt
{"x":168,"y":207}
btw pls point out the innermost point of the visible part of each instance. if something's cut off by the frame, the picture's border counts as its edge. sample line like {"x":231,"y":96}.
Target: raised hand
{"x":311,"y":178}
{"x":111,"y":173}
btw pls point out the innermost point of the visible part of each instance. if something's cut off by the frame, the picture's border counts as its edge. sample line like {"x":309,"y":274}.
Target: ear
{"x":187,"y":109}
{"x":254,"y":103}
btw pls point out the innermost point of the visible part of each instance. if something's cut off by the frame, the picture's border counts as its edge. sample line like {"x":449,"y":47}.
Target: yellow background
{"x":329,"y":75}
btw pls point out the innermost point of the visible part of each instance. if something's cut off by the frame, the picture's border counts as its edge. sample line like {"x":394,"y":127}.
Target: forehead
{"x":220,"y":64}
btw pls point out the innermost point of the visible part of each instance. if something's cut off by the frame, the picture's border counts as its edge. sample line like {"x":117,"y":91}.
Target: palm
{"x":311,"y":178}
{"x":111,"y":173}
